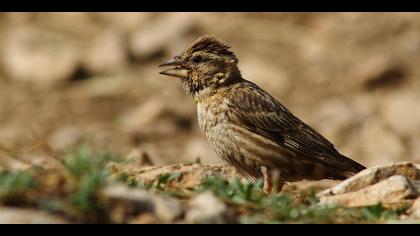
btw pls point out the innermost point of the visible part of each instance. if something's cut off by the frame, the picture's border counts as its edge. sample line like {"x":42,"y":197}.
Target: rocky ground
{"x":71,"y":79}
{"x":104,"y":188}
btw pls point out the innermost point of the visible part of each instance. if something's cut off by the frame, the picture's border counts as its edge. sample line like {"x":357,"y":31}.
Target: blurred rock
{"x":65,"y":138}
{"x":415,"y":209}
{"x":104,"y":86}
{"x":10,"y":163}
{"x":199,"y":148}
{"x":145,"y":218}
{"x":379,"y":143}
{"x":413,"y":146}
{"x":155,"y":118}
{"x":78,"y":26}
{"x":335,"y":118}
{"x":167,"y":209}
{"x":10,"y":215}
{"x":139,"y":158}
{"x":135,"y":201}
{"x":38,"y":56}
{"x":125,"y":21}
{"x":379,"y":72}
{"x":266,"y":73}
{"x":106,"y":53}
{"x":391,"y":77}
{"x":393,"y":190}
{"x":402,"y":112}
{"x":64,"y":18}
{"x":206,"y":208}
{"x":159,"y":34}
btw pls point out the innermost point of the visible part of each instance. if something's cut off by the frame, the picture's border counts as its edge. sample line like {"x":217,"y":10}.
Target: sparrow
{"x":247,"y":127}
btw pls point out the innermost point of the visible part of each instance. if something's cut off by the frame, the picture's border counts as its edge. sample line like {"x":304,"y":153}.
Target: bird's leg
{"x":272,"y":181}
{"x":268,"y":183}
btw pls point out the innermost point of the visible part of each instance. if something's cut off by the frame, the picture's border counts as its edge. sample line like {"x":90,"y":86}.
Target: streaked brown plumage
{"x":246,"y":126}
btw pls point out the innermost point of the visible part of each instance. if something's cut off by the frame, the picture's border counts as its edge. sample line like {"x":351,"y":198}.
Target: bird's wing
{"x":257,"y":111}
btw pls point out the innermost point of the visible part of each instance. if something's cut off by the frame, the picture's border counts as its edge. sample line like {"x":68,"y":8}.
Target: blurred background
{"x":72,"y":78}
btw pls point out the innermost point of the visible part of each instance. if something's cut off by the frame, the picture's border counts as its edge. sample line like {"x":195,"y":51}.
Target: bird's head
{"x":206,"y":64}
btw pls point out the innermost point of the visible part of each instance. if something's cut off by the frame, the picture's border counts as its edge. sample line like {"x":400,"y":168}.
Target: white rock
{"x":167,"y":209}
{"x":10,"y":215}
{"x":106,"y":53}
{"x":65,"y":138}
{"x":126,"y":21}
{"x":336,"y":117}
{"x":379,"y":143}
{"x":156,"y":117}
{"x":206,"y":208}
{"x":155,"y":36}
{"x":392,"y":190}
{"x":374,"y":175}
{"x":164,"y":208}
{"x":35,"y":55}
{"x":415,"y":209}
{"x":198,"y":147}
{"x":402,"y":112}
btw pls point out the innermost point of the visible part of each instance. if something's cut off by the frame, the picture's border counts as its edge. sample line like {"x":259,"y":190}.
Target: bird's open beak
{"x":178,"y":71}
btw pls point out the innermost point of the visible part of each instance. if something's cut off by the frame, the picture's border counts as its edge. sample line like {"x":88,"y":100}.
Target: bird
{"x":247,"y":127}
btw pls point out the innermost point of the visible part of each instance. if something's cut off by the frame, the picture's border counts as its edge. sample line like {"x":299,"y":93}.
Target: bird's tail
{"x":349,"y":168}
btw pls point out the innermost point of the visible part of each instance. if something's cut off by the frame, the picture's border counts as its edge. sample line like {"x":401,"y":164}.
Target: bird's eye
{"x":197,"y":59}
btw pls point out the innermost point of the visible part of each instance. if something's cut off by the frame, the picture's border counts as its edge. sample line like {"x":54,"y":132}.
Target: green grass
{"x":166,"y":179}
{"x":90,"y":175}
{"x":14,"y":186}
{"x":236,"y":191}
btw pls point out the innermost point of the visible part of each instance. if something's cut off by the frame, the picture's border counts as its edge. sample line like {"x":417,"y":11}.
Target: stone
{"x":65,"y":138}
{"x":402,"y":113}
{"x":145,"y":218}
{"x":106,"y":53}
{"x":156,"y":118}
{"x":138,"y":201}
{"x":206,"y":208}
{"x":379,"y":143}
{"x":266,"y":74}
{"x":9,"y":215}
{"x":139,"y":157}
{"x":198,"y":147}
{"x":393,"y":190}
{"x":10,"y":163}
{"x":153,"y":37}
{"x":376,"y":72}
{"x":64,"y":18}
{"x":413,"y":145}
{"x":34,"y":55}
{"x":167,"y":209}
{"x":336,"y":117}
{"x":394,"y":183}
{"x":415,"y":209}
{"x":191,"y":174}
{"x":308,"y":186}
{"x":374,"y":175}
{"x":126,"y":21}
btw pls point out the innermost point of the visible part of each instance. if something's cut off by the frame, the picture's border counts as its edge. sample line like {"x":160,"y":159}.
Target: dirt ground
{"x":71,"y":78}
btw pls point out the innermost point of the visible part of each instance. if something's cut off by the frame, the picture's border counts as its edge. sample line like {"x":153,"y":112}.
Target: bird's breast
{"x":211,"y":113}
